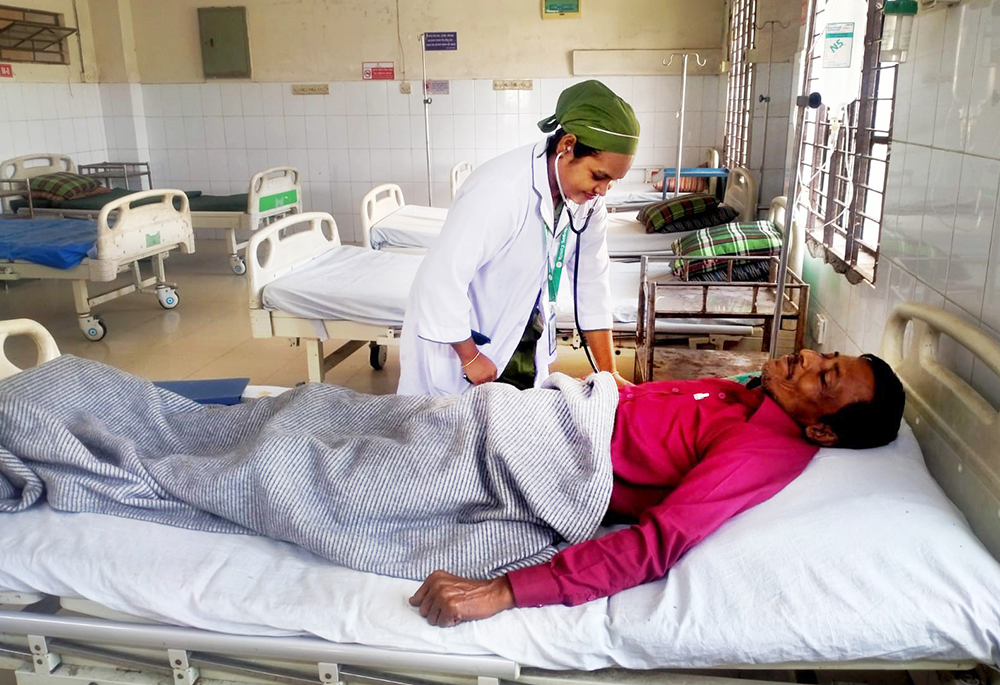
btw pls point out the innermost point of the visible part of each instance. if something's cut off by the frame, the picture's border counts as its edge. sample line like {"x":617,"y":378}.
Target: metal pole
{"x":680,"y":131}
{"x":791,"y":204}
{"x":427,"y":117}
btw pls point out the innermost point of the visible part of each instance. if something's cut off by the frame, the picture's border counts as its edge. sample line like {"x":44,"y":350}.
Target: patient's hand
{"x":446,"y":600}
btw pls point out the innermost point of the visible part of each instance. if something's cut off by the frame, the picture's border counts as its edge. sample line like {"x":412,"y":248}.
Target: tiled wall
{"x":52,"y":117}
{"x":941,"y":239}
{"x":215,"y":136}
{"x":769,"y":128}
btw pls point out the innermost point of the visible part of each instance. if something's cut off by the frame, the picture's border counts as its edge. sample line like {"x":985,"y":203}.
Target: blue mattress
{"x":59,"y":243}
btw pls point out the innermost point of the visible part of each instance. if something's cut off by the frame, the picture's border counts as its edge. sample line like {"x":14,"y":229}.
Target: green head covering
{"x":597,"y":117}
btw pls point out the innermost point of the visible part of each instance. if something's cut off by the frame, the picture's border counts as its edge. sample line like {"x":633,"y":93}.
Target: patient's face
{"x":809,"y":385}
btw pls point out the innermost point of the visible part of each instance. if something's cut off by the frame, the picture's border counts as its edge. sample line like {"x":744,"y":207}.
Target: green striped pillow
{"x":62,"y":186}
{"x":755,"y":239}
{"x":659,"y":216}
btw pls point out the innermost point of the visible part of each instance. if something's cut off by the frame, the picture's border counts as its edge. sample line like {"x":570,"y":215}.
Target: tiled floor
{"x":206,"y":336}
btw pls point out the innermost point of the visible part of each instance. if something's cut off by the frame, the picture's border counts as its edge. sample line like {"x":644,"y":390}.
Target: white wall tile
{"x":507,"y":101}
{"x":974,"y":220}
{"x":984,"y":104}
{"x":399,"y":104}
{"x":336,"y":132}
{"x":926,"y":76}
{"x":957,"y":70}
{"x":211,"y":99}
{"x":548,"y":94}
{"x":274,"y":133}
{"x":340,"y":165}
{"x":377,"y":98}
{"x":485,"y":97}
{"x":271,"y":100}
{"x":355,"y":98}
{"x":191,"y":100}
{"x":357,"y":132}
{"x":235,"y":133}
{"x":486,"y":131}
{"x":381,"y":166}
{"x":360,"y":166}
{"x":378,"y":132}
{"x":667,"y":94}
{"x":232,"y":99}
{"x":256,"y":135}
{"x":252,"y":99}
{"x":194,"y":133}
{"x":292,"y":104}
{"x":336,"y":102}
{"x":912,"y":198}
{"x":295,"y":131}
{"x":939,"y":218}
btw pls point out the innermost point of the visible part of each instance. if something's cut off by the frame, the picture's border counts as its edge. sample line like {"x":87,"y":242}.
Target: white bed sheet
{"x":860,"y":557}
{"x":417,"y":227}
{"x":632,"y":193}
{"x":347,"y":282}
{"x":372,"y":286}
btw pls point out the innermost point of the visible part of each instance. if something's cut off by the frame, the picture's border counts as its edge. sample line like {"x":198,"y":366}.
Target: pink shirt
{"x":687,"y":456}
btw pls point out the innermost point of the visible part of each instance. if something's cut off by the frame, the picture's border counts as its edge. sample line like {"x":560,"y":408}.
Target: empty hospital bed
{"x":144,"y":225}
{"x":272,"y":194}
{"x":861,"y":563}
{"x":305,"y":284}
{"x":387,"y":222}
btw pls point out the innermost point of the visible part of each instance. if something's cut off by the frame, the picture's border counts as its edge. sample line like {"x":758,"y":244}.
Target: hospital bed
{"x":862,"y":563}
{"x":272,"y":194}
{"x":628,"y":196}
{"x":144,"y":225}
{"x":306,"y":285}
{"x":387,"y":222}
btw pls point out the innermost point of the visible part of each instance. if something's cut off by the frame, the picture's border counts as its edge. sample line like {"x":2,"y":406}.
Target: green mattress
{"x":199,"y":202}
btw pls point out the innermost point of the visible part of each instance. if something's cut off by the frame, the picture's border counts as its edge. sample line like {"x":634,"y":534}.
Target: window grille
{"x":739,"y":105}
{"x":28,"y":35}
{"x":841,"y":178}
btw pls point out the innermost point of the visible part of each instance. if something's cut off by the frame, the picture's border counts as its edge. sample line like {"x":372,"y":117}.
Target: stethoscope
{"x":576,"y":260}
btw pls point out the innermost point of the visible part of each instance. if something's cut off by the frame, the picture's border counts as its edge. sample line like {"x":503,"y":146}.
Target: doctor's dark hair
{"x":579,"y":150}
{"x":871,"y":424}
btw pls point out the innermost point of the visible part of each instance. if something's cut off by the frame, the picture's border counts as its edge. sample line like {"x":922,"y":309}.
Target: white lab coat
{"x":487,"y":269}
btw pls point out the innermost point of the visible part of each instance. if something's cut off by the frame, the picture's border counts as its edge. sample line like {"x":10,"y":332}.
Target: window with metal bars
{"x":28,"y":35}
{"x":739,"y":105}
{"x":842,"y":173}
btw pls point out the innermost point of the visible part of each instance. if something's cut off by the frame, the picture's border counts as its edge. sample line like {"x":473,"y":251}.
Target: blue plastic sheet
{"x":59,"y":243}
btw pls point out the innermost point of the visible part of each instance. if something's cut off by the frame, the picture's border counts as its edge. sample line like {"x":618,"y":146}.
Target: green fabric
{"x":62,"y":185}
{"x":219,"y":203}
{"x":198,"y":201}
{"x":755,"y":239}
{"x":658,"y":216}
{"x":520,"y":371}
{"x":597,"y":117}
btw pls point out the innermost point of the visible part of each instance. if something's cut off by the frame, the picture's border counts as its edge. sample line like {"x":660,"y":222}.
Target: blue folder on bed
{"x":208,"y":391}
{"x":59,"y":243}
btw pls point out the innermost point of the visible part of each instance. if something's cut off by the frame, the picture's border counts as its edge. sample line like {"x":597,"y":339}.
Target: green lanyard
{"x":555,"y":273}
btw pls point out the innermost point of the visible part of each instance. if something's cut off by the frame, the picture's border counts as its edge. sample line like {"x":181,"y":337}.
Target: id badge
{"x":551,"y":326}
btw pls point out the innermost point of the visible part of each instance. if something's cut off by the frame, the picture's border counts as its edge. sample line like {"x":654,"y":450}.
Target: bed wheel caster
{"x":238,"y":266}
{"x":167,"y":297}
{"x":93,"y":328}
{"x":377,"y":354}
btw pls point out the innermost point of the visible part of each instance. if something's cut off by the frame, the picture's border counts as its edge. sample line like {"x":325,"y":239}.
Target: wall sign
{"x":560,"y":9}
{"x":378,"y":71}
{"x":6,"y":71}
{"x":838,"y":45}
{"x":441,"y":40}
{"x":437,"y":87}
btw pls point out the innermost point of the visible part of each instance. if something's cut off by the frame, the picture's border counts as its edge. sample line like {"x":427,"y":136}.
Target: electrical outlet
{"x":513,"y":84}
{"x":404,"y":88}
{"x":311,"y":89}
{"x":819,"y":329}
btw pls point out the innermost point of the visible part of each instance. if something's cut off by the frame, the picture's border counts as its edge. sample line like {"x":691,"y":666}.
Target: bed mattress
{"x":198,"y":200}
{"x":861,"y":557}
{"x":417,"y":227}
{"x":59,"y":243}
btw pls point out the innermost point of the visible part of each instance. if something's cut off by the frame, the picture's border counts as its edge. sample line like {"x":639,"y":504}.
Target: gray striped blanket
{"x":477,"y":484}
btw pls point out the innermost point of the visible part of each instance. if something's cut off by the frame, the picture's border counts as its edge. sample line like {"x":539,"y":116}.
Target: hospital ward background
{"x":168,"y":169}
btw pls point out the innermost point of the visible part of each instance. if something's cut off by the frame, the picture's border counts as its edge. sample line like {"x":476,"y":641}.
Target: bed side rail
{"x":741,"y":193}
{"x":274,"y":192}
{"x":378,"y":203}
{"x":127,"y":231}
{"x":44,"y":343}
{"x":277,"y":248}
{"x":957,"y":428}
{"x":30,"y":166}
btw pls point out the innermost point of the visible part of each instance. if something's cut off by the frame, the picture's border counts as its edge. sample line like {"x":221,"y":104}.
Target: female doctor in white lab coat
{"x":482,"y":307}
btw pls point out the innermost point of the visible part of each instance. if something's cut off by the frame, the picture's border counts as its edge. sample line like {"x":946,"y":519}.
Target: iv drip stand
{"x":427,"y":116}
{"x":680,"y":132}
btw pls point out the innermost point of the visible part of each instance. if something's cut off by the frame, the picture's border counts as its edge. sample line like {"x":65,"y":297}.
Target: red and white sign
{"x":378,"y":71}
{"x":6,"y":71}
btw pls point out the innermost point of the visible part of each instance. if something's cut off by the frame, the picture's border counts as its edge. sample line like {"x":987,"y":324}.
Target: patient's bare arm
{"x":446,"y":600}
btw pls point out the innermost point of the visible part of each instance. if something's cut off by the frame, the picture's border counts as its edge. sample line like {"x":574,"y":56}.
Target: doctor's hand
{"x":446,"y":600}
{"x":480,"y":370}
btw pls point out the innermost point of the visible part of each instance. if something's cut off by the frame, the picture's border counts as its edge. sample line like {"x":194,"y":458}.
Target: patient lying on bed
{"x":688,"y":456}
{"x":484,"y":485}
